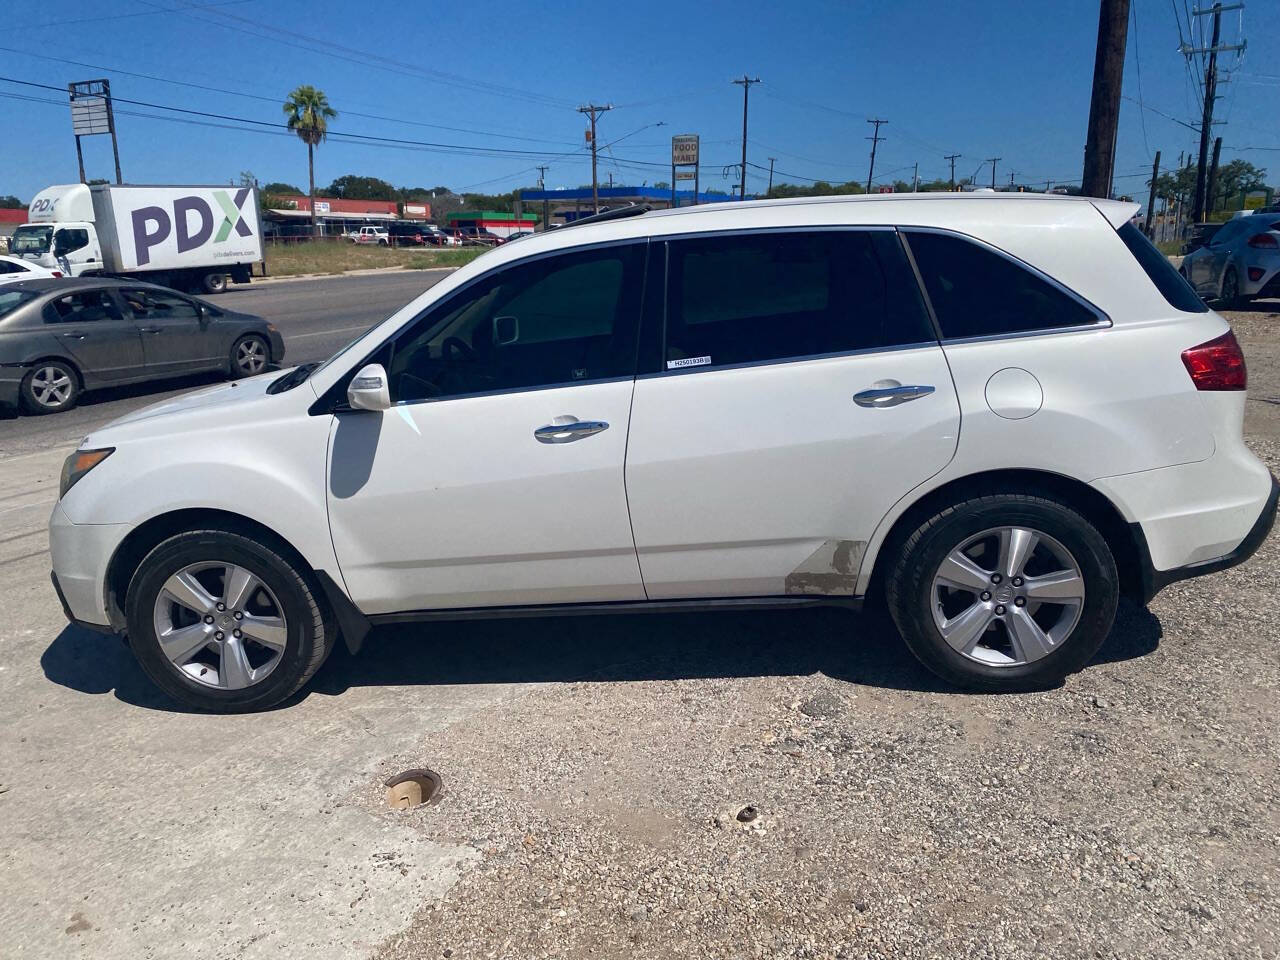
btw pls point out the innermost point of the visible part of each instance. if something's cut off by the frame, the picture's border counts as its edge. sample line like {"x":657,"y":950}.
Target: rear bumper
{"x":1153,"y":580}
{"x":10,"y":382}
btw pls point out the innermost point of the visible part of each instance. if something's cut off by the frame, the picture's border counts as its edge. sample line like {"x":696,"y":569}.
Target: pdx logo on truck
{"x":152,"y":226}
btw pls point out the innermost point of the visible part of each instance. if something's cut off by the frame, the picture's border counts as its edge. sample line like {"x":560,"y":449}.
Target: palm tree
{"x":309,"y":114}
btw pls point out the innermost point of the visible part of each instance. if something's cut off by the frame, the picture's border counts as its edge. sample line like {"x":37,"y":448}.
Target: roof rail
{"x":617,"y":213}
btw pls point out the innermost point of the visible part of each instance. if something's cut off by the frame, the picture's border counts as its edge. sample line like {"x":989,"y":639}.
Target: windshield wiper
{"x":292,"y":378}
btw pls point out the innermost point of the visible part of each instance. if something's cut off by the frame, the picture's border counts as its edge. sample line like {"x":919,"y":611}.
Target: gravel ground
{"x":1134,"y":812}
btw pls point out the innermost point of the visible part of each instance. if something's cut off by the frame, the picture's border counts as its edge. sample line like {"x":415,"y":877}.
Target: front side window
{"x":71,"y":240}
{"x":11,"y":300}
{"x":556,"y":320}
{"x":752,"y":298}
{"x":156,"y":305}
{"x":976,"y":292}
{"x":88,"y":306}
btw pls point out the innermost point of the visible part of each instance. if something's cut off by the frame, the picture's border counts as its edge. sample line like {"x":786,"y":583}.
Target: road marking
{"x":327,"y":333}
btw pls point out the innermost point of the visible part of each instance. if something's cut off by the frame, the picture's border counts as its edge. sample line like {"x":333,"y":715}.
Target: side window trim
{"x":1101,"y":322}
{"x":666,"y":240}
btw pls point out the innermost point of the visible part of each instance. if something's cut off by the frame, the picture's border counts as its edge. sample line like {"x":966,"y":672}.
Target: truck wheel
{"x":50,"y":386}
{"x":215,"y":282}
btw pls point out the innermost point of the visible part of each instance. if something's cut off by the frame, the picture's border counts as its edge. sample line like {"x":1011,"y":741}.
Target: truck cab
{"x":61,"y":232}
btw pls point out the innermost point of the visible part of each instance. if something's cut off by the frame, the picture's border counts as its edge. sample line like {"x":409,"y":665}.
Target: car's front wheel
{"x":1004,"y":592}
{"x":249,"y":356}
{"x":224,"y":623}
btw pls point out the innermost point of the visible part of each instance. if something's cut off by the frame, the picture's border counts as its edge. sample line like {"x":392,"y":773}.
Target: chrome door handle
{"x":569,"y":431}
{"x":148,"y":329}
{"x":76,"y":336}
{"x":879,"y":397}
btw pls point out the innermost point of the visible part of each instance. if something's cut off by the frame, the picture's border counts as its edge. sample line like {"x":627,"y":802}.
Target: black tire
{"x":250,"y":355}
{"x":214,"y":282}
{"x":41,"y":389}
{"x":310,"y":635}
{"x":909,"y":589}
{"x":1231,"y":289}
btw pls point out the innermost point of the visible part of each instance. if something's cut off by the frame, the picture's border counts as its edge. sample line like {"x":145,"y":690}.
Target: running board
{"x":622,"y":607}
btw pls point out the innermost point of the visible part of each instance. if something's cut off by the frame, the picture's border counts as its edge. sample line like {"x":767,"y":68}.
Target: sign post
{"x":91,"y":114}
{"x":684,"y":153}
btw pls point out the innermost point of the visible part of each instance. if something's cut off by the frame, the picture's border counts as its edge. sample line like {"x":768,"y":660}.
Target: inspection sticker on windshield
{"x":688,"y":362}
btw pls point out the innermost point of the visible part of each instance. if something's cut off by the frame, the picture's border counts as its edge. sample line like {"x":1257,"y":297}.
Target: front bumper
{"x":277,"y":346}
{"x":80,"y":553}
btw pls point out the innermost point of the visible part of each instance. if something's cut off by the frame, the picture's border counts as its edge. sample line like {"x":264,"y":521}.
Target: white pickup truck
{"x":375,"y":235}
{"x":191,"y":238}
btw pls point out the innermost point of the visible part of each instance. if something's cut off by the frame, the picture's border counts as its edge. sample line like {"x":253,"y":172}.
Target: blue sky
{"x":1001,"y":78}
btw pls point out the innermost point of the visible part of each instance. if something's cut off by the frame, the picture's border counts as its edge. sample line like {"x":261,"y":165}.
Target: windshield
{"x":29,"y":239}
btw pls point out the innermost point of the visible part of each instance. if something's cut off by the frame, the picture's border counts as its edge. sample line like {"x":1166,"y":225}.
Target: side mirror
{"x":505,"y":330}
{"x":368,"y":389}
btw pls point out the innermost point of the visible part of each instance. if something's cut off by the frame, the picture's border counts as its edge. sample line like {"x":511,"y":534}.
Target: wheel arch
{"x":1121,"y":536}
{"x":56,"y":358}
{"x":145,"y":537}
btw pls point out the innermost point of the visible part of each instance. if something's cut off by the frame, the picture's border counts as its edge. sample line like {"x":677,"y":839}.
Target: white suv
{"x":998,"y":413}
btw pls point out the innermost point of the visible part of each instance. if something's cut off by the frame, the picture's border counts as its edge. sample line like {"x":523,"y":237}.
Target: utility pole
{"x":746,"y":90}
{"x":1151,"y":199}
{"x":915,"y":177}
{"x":1199,"y":202}
{"x":993,"y":161}
{"x":875,"y":142}
{"x":953,"y":157}
{"x":542,"y":185}
{"x":592,"y":111}
{"x":1104,"y":108}
{"x":1211,"y":187}
{"x":771,"y":159}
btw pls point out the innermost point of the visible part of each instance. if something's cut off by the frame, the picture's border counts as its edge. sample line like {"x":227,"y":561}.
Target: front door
{"x":175,"y":338}
{"x":801,"y":393}
{"x":103,"y":342}
{"x":496,"y":478}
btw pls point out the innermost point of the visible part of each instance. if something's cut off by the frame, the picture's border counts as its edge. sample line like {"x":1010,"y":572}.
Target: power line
{"x":117,"y":16}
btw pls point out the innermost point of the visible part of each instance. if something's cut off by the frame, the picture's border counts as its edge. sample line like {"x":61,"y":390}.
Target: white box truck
{"x":190,"y":238}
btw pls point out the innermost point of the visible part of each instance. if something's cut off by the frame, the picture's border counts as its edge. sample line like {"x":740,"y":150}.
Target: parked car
{"x":61,"y":337}
{"x":1199,"y":236}
{"x":439,"y":238}
{"x":999,"y":416}
{"x":1241,"y":261}
{"x":15,"y":268}
{"x":371,"y":235}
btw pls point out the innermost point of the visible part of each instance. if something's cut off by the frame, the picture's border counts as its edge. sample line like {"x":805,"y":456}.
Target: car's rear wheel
{"x":1231,"y":288}
{"x":1004,"y":592}
{"x":50,"y":386}
{"x":224,"y":623}
{"x":249,"y":356}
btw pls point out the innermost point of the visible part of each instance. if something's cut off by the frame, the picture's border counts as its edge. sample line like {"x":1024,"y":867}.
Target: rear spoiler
{"x":1117,"y":212}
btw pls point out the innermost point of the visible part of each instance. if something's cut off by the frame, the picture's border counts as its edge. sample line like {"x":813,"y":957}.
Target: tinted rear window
{"x":11,"y":300}
{"x":977,"y":292}
{"x":1157,"y":266}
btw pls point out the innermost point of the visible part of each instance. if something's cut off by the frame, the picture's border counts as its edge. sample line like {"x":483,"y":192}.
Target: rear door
{"x":176,"y":338}
{"x":799,"y":391}
{"x":102,"y":341}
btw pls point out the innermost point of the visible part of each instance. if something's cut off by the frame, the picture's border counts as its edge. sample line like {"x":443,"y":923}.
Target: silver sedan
{"x":1240,"y":263}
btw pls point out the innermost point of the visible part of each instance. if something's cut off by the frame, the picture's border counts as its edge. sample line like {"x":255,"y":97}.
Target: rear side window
{"x":772,"y":296}
{"x":1156,"y":265}
{"x":976,"y":292}
{"x":87,"y":307}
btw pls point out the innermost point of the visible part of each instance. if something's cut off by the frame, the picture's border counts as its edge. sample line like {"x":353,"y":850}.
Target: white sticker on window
{"x":688,"y":362}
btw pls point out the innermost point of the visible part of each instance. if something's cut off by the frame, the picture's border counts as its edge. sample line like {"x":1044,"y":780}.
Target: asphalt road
{"x":316,"y":317}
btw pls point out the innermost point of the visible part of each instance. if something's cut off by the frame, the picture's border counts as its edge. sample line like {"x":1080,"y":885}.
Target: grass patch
{"x":1170,"y":248}
{"x":339,"y":256}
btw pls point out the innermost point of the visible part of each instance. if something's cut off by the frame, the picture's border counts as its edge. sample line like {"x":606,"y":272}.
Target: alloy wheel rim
{"x":1007,"y":596}
{"x":250,"y":356}
{"x":51,"y":386}
{"x":220,"y":625}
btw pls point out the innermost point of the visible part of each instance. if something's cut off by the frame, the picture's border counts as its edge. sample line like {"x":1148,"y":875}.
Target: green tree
{"x":309,"y":114}
{"x":10,"y":202}
{"x":277,"y":187}
{"x":247,"y":179}
{"x":352,"y":187}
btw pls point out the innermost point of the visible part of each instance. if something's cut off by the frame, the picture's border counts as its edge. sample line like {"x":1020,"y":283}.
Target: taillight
{"x":1217,"y":364}
{"x":56,"y":273}
{"x":1255,"y":274}
{"x":1264,"y":241}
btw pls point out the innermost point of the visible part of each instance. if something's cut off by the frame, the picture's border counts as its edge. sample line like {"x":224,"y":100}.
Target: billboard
{"x":684,"y":150}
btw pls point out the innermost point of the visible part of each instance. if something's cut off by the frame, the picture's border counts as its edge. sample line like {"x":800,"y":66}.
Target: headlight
{"x":78,"y":464}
